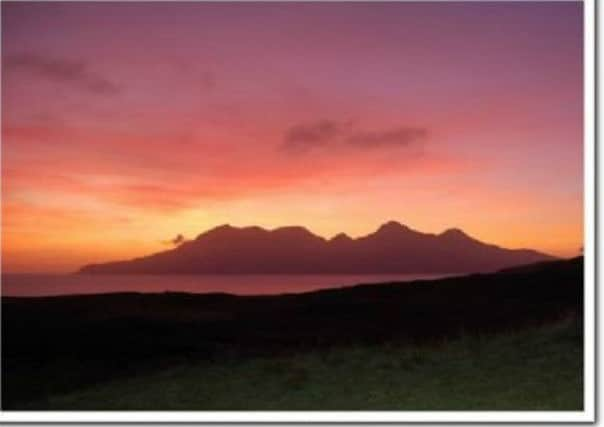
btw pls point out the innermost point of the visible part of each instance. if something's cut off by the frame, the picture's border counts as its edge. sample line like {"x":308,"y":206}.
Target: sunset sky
{"x":124,"y":125}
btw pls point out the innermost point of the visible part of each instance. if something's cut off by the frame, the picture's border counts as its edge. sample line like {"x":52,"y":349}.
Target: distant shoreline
{"x":56,"y":285}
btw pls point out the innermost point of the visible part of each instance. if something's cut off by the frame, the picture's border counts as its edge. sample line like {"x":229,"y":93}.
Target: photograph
{"x":297,"y":211}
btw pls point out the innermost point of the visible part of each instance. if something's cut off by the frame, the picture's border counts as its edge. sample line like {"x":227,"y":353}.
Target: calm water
{"x":46,"y":284}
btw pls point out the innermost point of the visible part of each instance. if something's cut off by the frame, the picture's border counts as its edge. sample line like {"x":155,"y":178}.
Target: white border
{"x":585,"y":416}
{"x":589,"y":207}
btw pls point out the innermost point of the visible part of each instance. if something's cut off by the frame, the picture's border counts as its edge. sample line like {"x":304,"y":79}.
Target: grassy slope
{"x":329,"y":349}
{"x":536,"y":369}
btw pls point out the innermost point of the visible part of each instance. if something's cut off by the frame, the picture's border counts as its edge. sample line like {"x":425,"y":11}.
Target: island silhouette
{"x":392,"y":248}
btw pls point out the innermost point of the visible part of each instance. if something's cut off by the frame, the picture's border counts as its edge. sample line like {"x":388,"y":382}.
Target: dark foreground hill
{"x":537,"y":368}
{"x":57,"y":344}
{"x":393,"y":248}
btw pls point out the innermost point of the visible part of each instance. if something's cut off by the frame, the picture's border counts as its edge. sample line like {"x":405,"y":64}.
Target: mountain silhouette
{"x":392,"y":248}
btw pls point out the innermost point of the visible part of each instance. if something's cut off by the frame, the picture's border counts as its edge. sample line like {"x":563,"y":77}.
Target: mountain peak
{"x":291,"y":229}
{"x":223,"y":227}
{"x":392,"y":226}
{"x":341,"y":237}
{"x":455,"y":233}
{"x":295,"y":231}
{"x":219,"y":230}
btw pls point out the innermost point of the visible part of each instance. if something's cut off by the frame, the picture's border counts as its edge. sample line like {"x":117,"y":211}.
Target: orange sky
{"x":127,"y":124}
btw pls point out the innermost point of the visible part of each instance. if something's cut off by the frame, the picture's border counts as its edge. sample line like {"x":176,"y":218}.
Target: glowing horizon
{"x":126,"y":124}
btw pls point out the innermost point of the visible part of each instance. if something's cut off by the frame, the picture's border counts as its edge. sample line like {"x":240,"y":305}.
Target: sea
{"x":36,"y":285}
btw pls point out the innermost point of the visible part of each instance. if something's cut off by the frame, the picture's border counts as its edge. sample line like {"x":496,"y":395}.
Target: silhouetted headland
{"x":393,"y":248}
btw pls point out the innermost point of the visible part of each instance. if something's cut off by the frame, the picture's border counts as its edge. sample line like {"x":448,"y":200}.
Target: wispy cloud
{"x":401,"y":137}
{"x":304,"y":137}
{"x":176,"y":241}
{"x":75,"y":73}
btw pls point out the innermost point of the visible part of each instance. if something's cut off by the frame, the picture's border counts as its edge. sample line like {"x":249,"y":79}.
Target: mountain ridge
{"x":392,"y":248}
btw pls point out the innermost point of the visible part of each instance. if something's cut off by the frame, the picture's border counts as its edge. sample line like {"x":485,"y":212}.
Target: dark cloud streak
{"x":76,"y":73}
{"x":401,"y":137}
{"x":304,"y":137}
{"x":322,"y":134}
{"x":176,"y":241}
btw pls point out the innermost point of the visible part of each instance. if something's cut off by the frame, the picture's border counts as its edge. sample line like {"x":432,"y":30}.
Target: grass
{"x":393,"y":346}
{"x":535,"y":369}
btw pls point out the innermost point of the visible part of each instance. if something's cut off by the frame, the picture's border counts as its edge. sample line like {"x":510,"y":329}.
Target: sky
{"x":127,"y":124}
